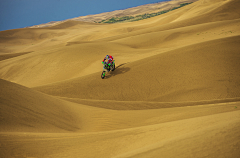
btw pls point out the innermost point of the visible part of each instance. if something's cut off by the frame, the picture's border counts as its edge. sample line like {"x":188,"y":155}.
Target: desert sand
{"x":175,"y":91}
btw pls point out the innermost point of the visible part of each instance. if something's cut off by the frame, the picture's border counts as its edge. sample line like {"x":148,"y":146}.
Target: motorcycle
{"x":107,"y":68}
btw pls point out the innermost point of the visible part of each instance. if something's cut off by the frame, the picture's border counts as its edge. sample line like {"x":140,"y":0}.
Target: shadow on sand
{"x":118,"y":70}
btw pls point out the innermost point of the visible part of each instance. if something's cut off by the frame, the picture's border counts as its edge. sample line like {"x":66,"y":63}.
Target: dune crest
{"x":25,"y":110}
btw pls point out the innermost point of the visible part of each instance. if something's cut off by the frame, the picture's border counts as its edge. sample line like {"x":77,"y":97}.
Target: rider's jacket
{"x":110,"y":59}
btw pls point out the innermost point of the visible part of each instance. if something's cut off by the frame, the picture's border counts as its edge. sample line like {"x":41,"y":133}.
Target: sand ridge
{"x":175,"y":91}
{"x":134,"y":11}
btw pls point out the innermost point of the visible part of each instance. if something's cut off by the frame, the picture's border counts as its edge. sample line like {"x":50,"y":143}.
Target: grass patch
{"x":139,"y":17}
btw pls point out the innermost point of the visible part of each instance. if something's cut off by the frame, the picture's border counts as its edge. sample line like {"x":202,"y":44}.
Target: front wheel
{"x":103,"y":74}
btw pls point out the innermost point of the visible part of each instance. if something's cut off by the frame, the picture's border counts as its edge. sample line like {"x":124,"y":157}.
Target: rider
{"x":109,"y":59}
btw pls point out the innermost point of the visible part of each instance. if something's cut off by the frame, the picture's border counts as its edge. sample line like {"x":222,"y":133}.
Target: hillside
{"x":134,"y":11}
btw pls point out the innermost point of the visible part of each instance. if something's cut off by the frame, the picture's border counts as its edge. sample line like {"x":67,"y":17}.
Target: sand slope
{"x":175,"y":91}
{"x":178,"y":75}
{"x":24,"y":110}
{"x":134,"y":11}
{"x":65,"y":129}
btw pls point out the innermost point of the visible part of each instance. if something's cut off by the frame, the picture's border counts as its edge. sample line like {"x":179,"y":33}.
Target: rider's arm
{"x":103,"y":60}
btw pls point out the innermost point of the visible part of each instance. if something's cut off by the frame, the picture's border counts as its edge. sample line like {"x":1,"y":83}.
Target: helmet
{"x":107,"y":56}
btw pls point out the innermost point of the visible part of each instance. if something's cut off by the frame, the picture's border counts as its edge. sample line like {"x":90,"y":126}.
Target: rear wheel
{"x":113,"y":67}
{"x":103,"y":74}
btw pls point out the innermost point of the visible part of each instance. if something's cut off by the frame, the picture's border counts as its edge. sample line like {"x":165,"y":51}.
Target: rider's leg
{"x":103,"y":66}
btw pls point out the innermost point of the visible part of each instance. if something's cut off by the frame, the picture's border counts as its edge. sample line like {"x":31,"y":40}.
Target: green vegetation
{"x":114,"y":20}
{"x":139,"y":17}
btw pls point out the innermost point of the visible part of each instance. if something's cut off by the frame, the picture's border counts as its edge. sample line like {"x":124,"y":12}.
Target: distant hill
{"x":134,"y":11}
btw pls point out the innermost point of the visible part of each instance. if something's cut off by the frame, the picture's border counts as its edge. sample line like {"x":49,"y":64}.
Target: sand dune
{"x":175,"y":91}
{"x":134,"y":11}
{"x":32,"y":111}
{"x":63,"y":129}
{"x":198,"y":72}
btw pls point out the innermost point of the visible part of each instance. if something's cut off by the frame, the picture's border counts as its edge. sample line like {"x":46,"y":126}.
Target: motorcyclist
{"x":109,"y":59}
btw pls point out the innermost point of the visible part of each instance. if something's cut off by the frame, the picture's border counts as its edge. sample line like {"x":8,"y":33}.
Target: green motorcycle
{"x":107,"y":68}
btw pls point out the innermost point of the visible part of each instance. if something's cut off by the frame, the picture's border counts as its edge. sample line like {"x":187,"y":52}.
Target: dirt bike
{"x":107,"y":68}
